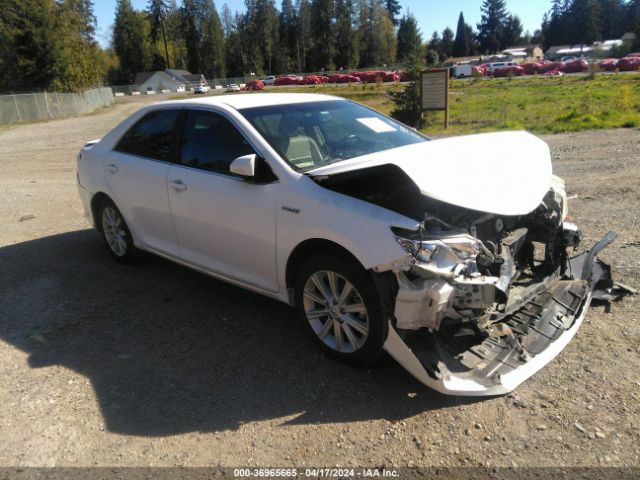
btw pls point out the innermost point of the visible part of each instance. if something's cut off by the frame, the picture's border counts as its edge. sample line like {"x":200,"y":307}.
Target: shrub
{"x":406,"y":102}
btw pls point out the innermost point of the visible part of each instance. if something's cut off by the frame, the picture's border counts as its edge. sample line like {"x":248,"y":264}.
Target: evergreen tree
{"x":491,"y":26}
{"x":612,"y":14}
{"x":234,"y":56}
{"x":632,"y":15}
{"x":394,"y":8}
{"x":389,"y":41}
{"x":471,"y":36}
{"x":322,"y":12}
{"x":554,"y":25}
{"x":446,"y":43}
{"x":27,"y":50}
{"x":346,"y":55}
{"x":378,"y":43}
{"x":175,"y":36}
{"x":434,"y":41}
{"x":212,"y":42}
{"x":512,"y":35}
{"x":130,"y":43}
{"x":287,"y":35}
{"x":584,"y":27}
{"x":157,"y":11}
{"x":409,"y":39}
{"x":462,"y":44}
{"x":228,"y":21}
{"x":267,"y":33}
{"x":304,"y":40}
{"x":538,"y":36}
{"x":191,"y":28}
{"x":77,"y":67}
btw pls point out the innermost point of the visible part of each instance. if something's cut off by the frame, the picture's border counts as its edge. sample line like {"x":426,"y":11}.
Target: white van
{"x":493,"y":67}
{"x":462,"y":70}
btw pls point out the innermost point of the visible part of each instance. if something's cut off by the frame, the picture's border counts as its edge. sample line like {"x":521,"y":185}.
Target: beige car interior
{"x":297,"y":145}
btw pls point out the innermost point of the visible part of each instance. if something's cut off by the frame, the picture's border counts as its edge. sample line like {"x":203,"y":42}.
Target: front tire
{"x":116,"y":233}
{"x":337,"y":300}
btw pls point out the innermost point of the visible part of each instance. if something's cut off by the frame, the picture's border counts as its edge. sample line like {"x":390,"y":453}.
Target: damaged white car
{"x":452,"y":255}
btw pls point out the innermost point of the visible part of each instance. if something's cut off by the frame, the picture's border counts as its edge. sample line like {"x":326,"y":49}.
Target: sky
{"x":431,"y":14}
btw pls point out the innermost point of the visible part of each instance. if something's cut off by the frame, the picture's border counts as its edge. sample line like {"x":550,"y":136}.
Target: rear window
{"x":153,"y":136}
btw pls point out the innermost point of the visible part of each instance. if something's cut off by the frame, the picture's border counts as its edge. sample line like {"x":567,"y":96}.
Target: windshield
{"x":316,"y":134}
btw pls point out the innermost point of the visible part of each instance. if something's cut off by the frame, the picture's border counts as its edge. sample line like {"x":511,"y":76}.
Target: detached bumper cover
{"x":536,"y":330}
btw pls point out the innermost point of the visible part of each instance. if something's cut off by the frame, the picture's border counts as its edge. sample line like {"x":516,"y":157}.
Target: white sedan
{"x":201,"y":89}
{"x":451,"y":254}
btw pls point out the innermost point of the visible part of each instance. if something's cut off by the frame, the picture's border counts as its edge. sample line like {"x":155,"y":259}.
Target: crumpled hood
{"x":506,"y":173}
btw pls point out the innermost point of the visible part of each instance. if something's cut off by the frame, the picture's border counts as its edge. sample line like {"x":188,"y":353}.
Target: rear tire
{"x":337,"y":300}
{"x":116,"y":233}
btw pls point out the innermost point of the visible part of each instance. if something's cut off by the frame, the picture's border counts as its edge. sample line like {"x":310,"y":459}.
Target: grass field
{"x":538,"y":104}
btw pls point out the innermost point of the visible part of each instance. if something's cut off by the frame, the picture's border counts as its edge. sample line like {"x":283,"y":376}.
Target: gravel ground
{"x":156,"y":365}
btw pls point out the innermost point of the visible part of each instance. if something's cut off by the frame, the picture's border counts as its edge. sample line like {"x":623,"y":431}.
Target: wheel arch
{"x":305,"y":250}
{"x":96,"y":202}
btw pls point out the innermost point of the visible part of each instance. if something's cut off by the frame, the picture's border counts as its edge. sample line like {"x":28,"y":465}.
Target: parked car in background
{"x":233,"y":87}
{"x":493,"y":67}
{"x":462,"y":70}
{"x":201,"y":89}
{"x":515,"y":71}
{"x":255,"y":85}
{"x":269,"y":80}
{"x":448,"y":254}
{"x":578,"y":65}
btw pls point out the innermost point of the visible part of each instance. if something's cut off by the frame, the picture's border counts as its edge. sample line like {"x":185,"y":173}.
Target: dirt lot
{"x":156,"y":365}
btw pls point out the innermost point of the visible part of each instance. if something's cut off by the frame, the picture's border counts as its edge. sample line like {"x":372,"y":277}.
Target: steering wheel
{"x":347,"y":144}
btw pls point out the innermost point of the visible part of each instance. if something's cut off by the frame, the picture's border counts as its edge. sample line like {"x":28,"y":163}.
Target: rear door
{"x":224,"y":224}
{"x":136,"y":173}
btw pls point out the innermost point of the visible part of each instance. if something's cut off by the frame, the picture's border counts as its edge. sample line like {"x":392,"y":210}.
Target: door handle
{"x":112,"y":168}
{"x":178,"y":185}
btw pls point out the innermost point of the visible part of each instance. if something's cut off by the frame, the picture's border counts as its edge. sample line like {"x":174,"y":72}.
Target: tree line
{"x":300,"y":36}
{"x":308,"y":35}
{"x":574,"y":22}
{"x":50,"y":44}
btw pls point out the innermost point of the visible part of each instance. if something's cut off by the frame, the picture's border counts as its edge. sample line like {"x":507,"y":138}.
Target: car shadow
{"x":169,"y":350}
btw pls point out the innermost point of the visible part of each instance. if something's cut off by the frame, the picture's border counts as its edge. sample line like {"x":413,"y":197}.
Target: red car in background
{"x":509,"y":72}
{"x":256,"y":85}
{"x":629,"y":64}
{"x":576,"y":66}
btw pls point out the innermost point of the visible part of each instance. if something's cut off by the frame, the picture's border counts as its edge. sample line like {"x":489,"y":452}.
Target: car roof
{"x":240,"y":102}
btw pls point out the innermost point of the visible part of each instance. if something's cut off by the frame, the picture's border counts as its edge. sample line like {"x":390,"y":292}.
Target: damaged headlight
{"x":450,"y":250}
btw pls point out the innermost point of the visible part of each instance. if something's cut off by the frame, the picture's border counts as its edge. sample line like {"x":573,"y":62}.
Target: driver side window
{"x":211,"y":142}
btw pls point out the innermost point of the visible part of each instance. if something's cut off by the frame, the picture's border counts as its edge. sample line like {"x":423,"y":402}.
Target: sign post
{"x":434,"y":92}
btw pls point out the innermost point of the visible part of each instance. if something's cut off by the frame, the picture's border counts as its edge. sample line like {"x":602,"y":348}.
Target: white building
{"x":168,"y":80}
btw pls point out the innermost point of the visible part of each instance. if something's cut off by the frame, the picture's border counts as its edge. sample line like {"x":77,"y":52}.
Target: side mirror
{"x":244,"y":166}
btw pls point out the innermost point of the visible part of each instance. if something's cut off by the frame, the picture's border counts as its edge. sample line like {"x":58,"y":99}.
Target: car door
{"x":136,"y":172}
{"x":224,"y":223}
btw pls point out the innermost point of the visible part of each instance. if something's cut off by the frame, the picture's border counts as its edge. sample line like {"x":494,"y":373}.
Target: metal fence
{"x":29,"y":107}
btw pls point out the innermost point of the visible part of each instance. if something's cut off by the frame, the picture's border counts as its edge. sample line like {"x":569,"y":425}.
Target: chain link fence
{"x":29,"y":107}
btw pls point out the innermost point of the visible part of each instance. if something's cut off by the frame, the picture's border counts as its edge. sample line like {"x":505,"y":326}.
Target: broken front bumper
{"x":537,"y":328}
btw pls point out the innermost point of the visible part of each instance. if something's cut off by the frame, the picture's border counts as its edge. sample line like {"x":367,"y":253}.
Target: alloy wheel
{"x":114,"y":231}
{"x":336,"y":311}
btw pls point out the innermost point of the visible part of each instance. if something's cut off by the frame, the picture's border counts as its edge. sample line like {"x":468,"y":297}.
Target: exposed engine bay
{"x":482,"y":301}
